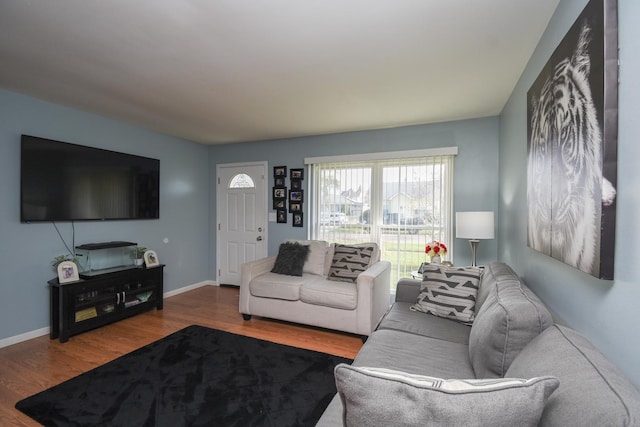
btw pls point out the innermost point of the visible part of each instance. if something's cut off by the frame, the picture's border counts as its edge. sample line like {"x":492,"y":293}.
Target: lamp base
{"x":474,"y":250}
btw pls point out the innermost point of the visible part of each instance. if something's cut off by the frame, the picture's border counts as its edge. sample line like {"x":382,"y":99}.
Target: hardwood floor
{"x":32,"y":366}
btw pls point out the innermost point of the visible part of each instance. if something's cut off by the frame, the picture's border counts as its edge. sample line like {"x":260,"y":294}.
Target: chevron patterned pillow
{"x":349,"y":261}
{"x":449,"y":292}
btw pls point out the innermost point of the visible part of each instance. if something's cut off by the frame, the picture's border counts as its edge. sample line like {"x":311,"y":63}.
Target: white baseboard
{"x":189,"y":288}
{"x":5,"y":342}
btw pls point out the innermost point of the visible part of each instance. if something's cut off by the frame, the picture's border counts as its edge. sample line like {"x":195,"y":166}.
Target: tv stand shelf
{"x":99,"y":300}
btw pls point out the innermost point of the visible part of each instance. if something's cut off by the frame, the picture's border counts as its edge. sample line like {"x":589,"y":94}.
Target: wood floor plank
{"x":37,"y":364}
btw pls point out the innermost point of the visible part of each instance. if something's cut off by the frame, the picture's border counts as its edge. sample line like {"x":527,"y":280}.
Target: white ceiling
{"x":220,"y":71}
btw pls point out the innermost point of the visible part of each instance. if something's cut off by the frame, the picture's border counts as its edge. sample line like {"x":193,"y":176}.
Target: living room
{"x":490,"y":174}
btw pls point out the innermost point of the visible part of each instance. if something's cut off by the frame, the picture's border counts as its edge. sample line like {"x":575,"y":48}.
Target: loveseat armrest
{"x":407,"y":290}
{"x":252,"y":269}
{"x":373,"y":287}
{"x":248,"y":271}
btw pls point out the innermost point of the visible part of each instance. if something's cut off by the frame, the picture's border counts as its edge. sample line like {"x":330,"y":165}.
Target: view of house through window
{"x":401,"y":204}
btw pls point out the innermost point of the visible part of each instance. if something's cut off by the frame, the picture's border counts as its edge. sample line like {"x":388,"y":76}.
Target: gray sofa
{"x":313,"y":299}
{"x":569,"y":382}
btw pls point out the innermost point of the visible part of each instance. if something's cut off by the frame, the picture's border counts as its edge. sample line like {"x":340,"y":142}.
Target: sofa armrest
{"x":373,"y":286}
{"x":248,"y":271}
{"x":407,"y":290}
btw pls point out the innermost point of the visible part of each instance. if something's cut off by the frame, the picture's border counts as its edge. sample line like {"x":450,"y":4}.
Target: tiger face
{"x":564,"y":171}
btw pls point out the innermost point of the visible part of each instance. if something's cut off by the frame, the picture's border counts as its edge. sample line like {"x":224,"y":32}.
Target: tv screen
{"x":68,"y":182}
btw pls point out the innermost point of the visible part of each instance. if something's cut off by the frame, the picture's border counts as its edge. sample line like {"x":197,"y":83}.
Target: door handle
{"x":259,"y":239}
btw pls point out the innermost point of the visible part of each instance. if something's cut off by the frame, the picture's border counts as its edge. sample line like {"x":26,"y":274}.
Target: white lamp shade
{"x":475,"y":225}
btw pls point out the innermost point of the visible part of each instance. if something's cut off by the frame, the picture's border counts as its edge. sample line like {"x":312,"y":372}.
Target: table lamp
{"x":474,"y":226}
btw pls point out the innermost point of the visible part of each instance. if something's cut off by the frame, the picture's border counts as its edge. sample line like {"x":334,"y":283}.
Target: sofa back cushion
{"x":493,"y":273}
{"x":592,"y":391}
{"x":510,"y":317}
{"x":317,"y":255}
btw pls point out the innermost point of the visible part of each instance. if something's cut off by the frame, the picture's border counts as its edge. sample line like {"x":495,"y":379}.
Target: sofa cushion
{"x":493,"y":273}
{"x":415,"y":354}
{"x":429,"y":401}
{"x":509,"y":319}
{"x":276,"y":286}
{"x":349,"y":261}
{"x":291,"y":258}
{"x":317,"y":254}
{"x":449,"y":292}
{"x":592,"y":392}
{"x":319,"y":291}
{"x":401,"y":318}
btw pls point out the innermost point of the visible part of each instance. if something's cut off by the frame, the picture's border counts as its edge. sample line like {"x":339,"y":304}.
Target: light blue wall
{"x":27,"y":249}
{"x":605,"y":311}
{"x":476,"y":167}
{"x":187,"y":201}
{"x":489,"y":175}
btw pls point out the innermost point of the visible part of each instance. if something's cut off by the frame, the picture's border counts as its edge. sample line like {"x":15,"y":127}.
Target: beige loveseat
{"x":313,"y":299}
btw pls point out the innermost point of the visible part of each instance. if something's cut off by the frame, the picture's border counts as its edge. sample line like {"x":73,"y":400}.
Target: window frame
{"x":378,"y":162}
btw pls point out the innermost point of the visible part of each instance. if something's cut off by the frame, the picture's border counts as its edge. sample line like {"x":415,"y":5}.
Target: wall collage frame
{"x":294,"y":195}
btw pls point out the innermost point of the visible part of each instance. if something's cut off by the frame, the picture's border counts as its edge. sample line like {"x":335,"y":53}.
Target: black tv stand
{"x":96,"y":301}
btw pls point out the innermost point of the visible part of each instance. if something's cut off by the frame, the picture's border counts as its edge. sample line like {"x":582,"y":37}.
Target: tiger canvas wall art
{"x":571,"y":163}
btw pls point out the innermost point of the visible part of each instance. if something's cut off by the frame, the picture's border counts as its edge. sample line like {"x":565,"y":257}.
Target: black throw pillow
{"x":290,"y":259}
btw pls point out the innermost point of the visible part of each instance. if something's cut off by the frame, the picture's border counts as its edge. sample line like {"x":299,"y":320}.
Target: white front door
{"x":241,"y":218}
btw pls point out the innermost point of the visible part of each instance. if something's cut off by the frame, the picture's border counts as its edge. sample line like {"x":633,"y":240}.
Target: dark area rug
{"x":195,"y":377}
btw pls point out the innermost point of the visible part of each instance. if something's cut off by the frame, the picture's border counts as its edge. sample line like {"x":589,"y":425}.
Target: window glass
{"x":401,"y":204}
{"x":242,"y":180}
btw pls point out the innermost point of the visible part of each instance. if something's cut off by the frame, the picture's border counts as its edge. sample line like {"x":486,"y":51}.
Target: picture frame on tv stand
{"x":68,"y":272}
{"x":151,"y":259}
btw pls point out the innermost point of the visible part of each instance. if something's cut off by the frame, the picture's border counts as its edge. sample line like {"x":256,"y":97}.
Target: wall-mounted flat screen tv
{"x":68,"y":182}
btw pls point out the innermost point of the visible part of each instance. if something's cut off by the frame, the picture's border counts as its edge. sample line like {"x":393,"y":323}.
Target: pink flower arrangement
{"x":435,"y":248}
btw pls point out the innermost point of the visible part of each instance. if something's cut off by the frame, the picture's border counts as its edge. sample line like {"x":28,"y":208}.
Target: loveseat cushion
{"x":277,"y":286}
{"x":428,"y":401}
{"x":592,"y":392}
{"x":510,"y":317}
{"x":319,"y":291}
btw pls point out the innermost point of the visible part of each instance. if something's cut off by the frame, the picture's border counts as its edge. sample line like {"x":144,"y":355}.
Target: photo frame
{"x":295,"y":207}
{"x":296,"y":196}
{"x":279,"y":182}
{"x":281,"y":216}
{"x":296,"y":184}
{"x":297,"y":219}
{"x":151,"y":259}
{"x":279,"y":193}
{"x":279,"y":204}
{"x":68,"y":272}
{"x":280,"y":171}
{"x":571,"y":199}
{"x":297,"y":174}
